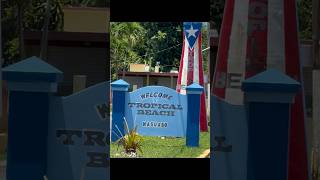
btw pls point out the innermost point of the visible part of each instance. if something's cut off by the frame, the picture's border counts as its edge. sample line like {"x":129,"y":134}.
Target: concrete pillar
{"x":119,"y":89}
{"x":193,"y":119}
{"x":268,"y":98}
{"x":30,"y":84}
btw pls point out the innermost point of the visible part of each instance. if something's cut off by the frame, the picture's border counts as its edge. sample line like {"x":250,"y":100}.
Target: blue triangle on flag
{"x":191,"y":31}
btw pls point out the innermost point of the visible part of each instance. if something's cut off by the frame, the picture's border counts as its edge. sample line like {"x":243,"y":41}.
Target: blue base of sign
{"x":193,"y":123}
{"x":268,"y":141}
{"x":27,"y":135}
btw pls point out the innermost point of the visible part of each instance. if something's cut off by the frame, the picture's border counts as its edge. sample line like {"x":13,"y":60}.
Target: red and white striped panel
{"x":191,"y":71}
{"x":257,"y":35}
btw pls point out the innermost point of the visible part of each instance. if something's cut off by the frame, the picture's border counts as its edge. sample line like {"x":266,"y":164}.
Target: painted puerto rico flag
{"x":255,"y":35}
{"x":191,"y":70}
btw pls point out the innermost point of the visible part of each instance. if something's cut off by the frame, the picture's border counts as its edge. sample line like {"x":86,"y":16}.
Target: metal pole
{"x":213,"y":50}
{"x":20,"y":7}
{"x":316,"y":88}
{"x":316,"y":33}
{"x":1,"y":62}
{"x":44,"y":40}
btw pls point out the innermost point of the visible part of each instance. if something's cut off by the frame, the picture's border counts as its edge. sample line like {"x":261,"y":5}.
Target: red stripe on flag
{"x":181,"y":66}
{"x":201,"y":80}
{"x":203,"y":112}
{"x":257,"y":42}
{"x":220,"y":73}
{"x":298,"y":164}
{"x":190,"y":66}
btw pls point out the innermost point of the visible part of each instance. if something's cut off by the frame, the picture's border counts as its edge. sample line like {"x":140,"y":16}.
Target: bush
{"x":131,"y":141}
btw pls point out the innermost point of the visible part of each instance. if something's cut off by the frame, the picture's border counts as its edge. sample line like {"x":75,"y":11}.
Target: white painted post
{"x":79,"y":82}
{"x":316,"y":89}
{"x":134,"y":87}
{"x":171,"y":82}
{"x":316,"y":124}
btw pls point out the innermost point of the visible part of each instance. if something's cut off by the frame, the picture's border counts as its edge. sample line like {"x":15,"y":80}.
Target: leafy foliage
{"x":153,"y":42}
{"x":32,"y":18}
{"x":32,"y":15}
{"x":216,"y":12}
{"x":305,"y":18}
{"x":164,"y":43}
{"x":125,"y":39}
{"x":131,"y":142}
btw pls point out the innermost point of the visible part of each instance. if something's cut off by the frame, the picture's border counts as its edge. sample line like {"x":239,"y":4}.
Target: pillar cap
{"x":194,"y":88}
{"x":271,"y":80}
{"x":120,"y":85}
{"x":32,"y":69}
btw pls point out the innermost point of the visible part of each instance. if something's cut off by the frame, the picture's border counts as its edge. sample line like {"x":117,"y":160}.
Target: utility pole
{"x":1,"y":84}
{"x":213,"y":50}
{"x":45,"y":31}
{"x":316,"y":88}
{"x":22,"y":52}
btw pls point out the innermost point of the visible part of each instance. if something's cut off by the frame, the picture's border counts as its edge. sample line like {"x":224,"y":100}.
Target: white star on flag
{"x":192,"y":32}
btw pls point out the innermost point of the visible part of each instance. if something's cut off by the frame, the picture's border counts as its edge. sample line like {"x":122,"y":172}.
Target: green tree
{"x":125,"y":39}
{"x":20,"y":6}
{"x":305,"y":18}
{"x":154,"y":42}
{"x":205,"y":44}
{"x":164,"y":44}
{"x":34,"y":17}
{"x":216,"y":12}
{"x":20,"y":15}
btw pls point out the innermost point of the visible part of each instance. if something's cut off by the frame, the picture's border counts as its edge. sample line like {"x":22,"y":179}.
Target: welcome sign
{"x":78,"y":135}
{"x":157,"y":111}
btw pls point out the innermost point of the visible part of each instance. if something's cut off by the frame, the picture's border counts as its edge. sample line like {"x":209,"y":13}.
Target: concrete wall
{"x":167,"y":82}
{"x":157,"y":81}
{"x":86,"y":19}
{"x":307,"y":63}
{"x":134,"y":80}
{"x":89,"y":61}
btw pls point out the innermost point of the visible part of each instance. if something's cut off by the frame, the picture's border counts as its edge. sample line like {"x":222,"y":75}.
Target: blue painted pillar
{"x":30,"y":83}
{"x":193,"y":119}
{"x":268,"y":97}
{"x":119,"y":89}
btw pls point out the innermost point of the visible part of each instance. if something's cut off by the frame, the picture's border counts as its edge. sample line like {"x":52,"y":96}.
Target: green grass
{"x":155,"y":147}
